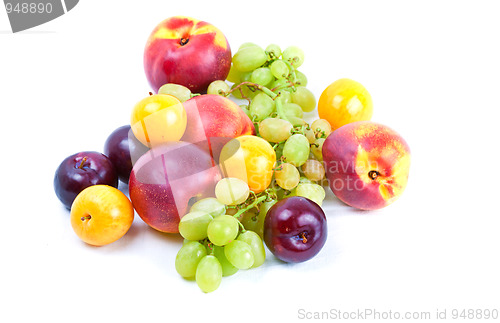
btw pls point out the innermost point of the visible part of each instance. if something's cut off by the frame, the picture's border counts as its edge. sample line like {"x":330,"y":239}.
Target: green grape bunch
{"x":223,"y":234}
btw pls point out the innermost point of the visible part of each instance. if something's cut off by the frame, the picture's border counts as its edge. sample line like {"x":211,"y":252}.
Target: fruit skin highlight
{"x":101,"y":214}
{"x":345,"y":101}
{"x":188,"y":52}
{"x":367,"y":164}
{"x":166,"y":179}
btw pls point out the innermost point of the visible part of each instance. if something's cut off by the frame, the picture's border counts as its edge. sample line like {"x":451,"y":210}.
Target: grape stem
{"x":251,"y":205}
{"x":279,"y":110}
{"x":292,"y":74}
{"x":209,"y":245}
{"x":255,"y":85}
{"x":270,"y":93}
{"x":283,"y":86}
{"x":301,"y":129}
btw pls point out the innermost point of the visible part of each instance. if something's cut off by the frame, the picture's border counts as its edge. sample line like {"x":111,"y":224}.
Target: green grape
{"x":250,"y":218}
{"x":317,"y":148}
{"x":304,"y":98}
{"x":284,"y":97}
{"x":261,"y":106}
{"x":209,"y":205}
{"x":247,"y":44}
{"x":246,"y":76}
{"x":182,"y":93}
{"x":249,"y":93}
{"x":255,"y":243}
{"x":249,"y":58}
{"x":275,"y":130}
{"x":279,"y":150}
{"x":273,"y":51}
{"x":188,"y":257}
{"x":293,"y":110}
{"x":313,"y":170}
{"x":313,"y":192}
{"x":218,"y":87}
{"x":296,"y":150}
{"x":296,"y":122}
{"x":262,"y":76}
{"x":322,"y":128}
{"x":193,"y":226}
{"x":223,"y":229}
{"x":278,"y":85}
{"x":282,"y":194}
{"x":259,"y":223}
{"x":227,"y":268}
{"x":232,"y":191}
{"x":301,"y":78}
{"x":287,"y":176}
{"x":294,"y":55}
{"x":244,"y":107}
{"x":234,"y":75}
{"x":209,"y":273}
{"x":309,"y":133}
{"x":239,"y":254}
{"x":305,"y":180}
{"x":279,"y":69}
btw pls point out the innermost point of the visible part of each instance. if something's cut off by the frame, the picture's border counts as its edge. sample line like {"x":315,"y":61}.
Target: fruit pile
{"x":232,"y":178}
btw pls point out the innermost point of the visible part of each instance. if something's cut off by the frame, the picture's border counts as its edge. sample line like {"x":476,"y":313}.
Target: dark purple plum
{"x":295,"y":229}
{"x":80,"y":171}
{"x":123,"y":149}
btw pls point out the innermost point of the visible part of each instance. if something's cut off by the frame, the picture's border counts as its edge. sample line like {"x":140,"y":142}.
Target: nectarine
{"x":367,"y":164}
{"x":215,"y":120}
{"x":188,"y":52}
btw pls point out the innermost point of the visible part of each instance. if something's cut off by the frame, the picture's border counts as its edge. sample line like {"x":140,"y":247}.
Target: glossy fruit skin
{"x":345,"y":101}
{"x":72,"y":176}
{"x":165,"y":179}
{"x":188,"y":52}
{"x":123,"y":149}
{"x":251,"y":159}
{"x":295,"y":229}
{"x":110,"y":215}
{"x":214,"y":120}
{"x":367,"y":164}
{"x":158,"y":119}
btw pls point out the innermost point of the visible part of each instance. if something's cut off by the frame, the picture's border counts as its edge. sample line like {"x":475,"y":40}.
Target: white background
{"x":432,"y":69}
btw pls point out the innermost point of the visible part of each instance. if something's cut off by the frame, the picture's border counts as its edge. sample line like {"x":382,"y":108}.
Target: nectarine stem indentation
{"x":87,"y":217}
{"x":373,"y":174}
{"x":184,"y":41}
{"x":302,"y":235}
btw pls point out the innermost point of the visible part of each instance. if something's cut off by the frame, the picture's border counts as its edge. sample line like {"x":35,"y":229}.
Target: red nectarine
{"x":367,"y":164}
